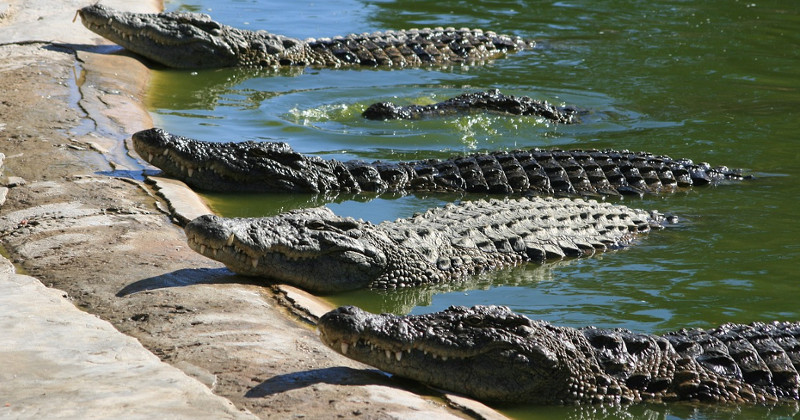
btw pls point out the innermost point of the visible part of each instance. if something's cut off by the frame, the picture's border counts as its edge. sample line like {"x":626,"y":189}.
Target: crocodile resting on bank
{"x":275,"y":167}
{"x":318,"y":251}
{"x":493,"y":354}
{"x":193,"y":40}
{"x":491,"y":100}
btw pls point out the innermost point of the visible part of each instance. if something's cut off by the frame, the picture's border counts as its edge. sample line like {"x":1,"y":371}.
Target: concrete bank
{"x":61,"y":362}
{"x":106,"y":312}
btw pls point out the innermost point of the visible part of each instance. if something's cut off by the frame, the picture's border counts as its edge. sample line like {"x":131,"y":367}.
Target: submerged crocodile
{"x":193,"y":40}
{"x":493,"y":354}
{"x":491,"y":100}
{"x":275,"y":167}
{"x":321,"y":252}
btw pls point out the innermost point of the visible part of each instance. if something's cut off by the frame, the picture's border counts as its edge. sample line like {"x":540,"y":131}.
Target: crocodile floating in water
{"x":491,"y":100}
{"x":493,"y":354}
{"x":193,"y":40}
{"x":275,"y":167}
{"x":321,"y":252}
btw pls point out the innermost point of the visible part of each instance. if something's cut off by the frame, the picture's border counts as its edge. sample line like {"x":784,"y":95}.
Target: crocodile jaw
{"x":246,"y":166}
{"x":307,"y":253}
{"x":515,"y":369}
{"x":181,"y":40}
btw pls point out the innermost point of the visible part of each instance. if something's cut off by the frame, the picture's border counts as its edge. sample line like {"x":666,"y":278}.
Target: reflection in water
{"x":682,"y":410}
{"x":259,"y":95}
{"x":403,"y":301}
{"x":207,"y":89}
{"x":342,"y":204}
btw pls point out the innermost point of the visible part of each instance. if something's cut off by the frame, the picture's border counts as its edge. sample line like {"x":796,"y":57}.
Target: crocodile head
{"x":487,"y":352}
{"x":184,"y":40}
{"x":245,"y":166}
{"x":309,"y":248}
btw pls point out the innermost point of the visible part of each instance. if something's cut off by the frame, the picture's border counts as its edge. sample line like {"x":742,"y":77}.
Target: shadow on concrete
{"x":188,"y":277}
{"x":338,"y":375}
{"x":137,"y":175}
{"x":99,"y":49}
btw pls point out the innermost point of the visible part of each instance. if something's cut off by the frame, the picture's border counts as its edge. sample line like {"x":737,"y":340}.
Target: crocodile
{"x":194,"y":40}
{"x":490,"y":100}
{"x":496,"y":355}
{"x":276,"y":167}
{"x":318,"y":251}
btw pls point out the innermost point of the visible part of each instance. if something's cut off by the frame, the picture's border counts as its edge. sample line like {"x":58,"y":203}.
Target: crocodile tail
{"x":542,"y":172}
{"x":414,"y":47}
{"x":591,"y":173}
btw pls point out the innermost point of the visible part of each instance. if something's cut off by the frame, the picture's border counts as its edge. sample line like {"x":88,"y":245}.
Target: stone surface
{"x":183,"y":203}
{"x":59,"y":360}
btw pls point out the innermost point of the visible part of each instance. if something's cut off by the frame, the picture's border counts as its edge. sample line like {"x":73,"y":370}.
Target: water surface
{"x":715,"y":81}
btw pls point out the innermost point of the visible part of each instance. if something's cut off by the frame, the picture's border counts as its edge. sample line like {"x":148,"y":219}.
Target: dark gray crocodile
{"x":275,"y":167}
{"x":491,"y":100}
{"x":321,"y":252}
{"x":193,"y":40}
{"x":493,"y":354}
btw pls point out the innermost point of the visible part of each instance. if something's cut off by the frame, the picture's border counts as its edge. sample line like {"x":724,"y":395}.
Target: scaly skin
{"x":321,"y":252}
{"x":488,"y":101}
{"x":275,"y":167}
{"x":193,"y":40}
{"x":495,"y":355}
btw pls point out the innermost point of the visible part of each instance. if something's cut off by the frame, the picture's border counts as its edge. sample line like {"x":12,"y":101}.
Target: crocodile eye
{"x":524,"y":331}
{"x":348,"y":224}
{"x":317,"y":225}
{"x":473,"y":320}
{"x":257,"y":151}
{"x":344,"y":226}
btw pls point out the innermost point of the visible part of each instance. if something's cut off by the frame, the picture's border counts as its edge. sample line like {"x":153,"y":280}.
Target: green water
{"x":714,"y":81}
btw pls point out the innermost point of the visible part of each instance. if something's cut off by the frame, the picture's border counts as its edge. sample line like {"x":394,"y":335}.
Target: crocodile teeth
{"x":388,"y":354}
{"x":190,"y":171}
{"x":229,"y":242}
{"x":398,"y":355}
{"x":254,"y":262}
{"x":165,"y":152}
{"x":345,"y":347}
{"x":202,"y":249}
{"x":149,"y":157}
